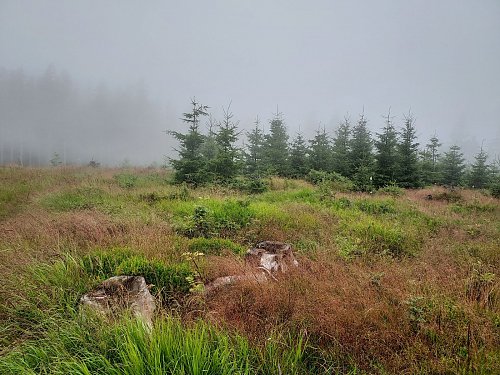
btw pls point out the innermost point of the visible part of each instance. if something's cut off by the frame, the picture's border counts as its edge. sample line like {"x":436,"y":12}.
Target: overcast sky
{"x":316,"y":60}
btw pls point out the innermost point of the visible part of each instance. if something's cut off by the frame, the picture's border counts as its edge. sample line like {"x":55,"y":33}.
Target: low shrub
{"x":392,"y":190}
{"x":335,"y":180}
{"x":495,"y":190}
{"x":450,"y":196}
{"x":250,"y":185}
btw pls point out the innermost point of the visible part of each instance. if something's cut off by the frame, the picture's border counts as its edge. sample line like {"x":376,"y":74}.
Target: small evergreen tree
{"x":431,"y":173}
{"x":433,"y":147}
{"x":408,"y":175}
{"x":361,"y":156}
{"x":453,"y":167}
{"x":299,"y":161}
{"x":254,"y":155}
{"x":226,"y":164}
{"x":56,"y":160}
{"x":480,"y":171}
{"x":321,"y":151}
{"x":341,"y":149}
{"x":425,"y":167}
{"x":386,"y":157}
{"x":276,"y":147}
{"x":190,"y":167}
{"x":208,"y":149}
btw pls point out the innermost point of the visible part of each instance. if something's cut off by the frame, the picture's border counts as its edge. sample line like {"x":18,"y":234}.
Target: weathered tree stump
{"x":265,"y":259}
{"x":271,"y":256}
{"x":122,"y":293}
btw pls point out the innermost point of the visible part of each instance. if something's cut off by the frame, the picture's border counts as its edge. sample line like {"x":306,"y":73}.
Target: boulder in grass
{"x":122,"y":293}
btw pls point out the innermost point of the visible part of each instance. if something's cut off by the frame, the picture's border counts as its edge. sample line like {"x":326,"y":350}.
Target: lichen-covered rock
{"x":120,"y":293}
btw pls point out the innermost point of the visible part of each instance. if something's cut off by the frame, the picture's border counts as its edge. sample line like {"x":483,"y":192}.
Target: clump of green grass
{"x":214,"y":246}
{"x":392,"y":190}
{"x":300,"y":195}
{"x":133,"y":179}
{"x":285,"y":221}
{"x":88,"y":346}
{"x":44,"y":294}
{"x":371,"y":236}
{"x":80,"y":199}
{"x":375,"y":207}
{"x":169,"y":281}
{"x":474,"y":207}
{"x":216,"y":218}
{"x":126,"y":180}
{"x":103,"y":264}
{"x":341,"y":203}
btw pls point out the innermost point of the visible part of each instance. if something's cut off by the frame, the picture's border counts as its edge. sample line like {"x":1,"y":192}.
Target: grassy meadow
{"x":389,"y":283}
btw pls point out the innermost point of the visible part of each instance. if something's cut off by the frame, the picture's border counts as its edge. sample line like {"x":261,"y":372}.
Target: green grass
{"x":19,"y":185}
{"x":208,"y":217}
{"x":169,"y":281}
{"x":89,"y":346}
{"x":214,"y":246}
{"x":64,"y":340}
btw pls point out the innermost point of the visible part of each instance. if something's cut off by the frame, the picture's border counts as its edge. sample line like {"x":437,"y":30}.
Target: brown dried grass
{"x":359,"y":309}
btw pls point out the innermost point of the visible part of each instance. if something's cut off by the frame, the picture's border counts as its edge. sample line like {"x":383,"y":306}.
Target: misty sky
{"x":316,"y":60}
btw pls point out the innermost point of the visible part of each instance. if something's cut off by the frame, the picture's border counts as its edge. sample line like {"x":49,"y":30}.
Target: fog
{"x":103,"y":80}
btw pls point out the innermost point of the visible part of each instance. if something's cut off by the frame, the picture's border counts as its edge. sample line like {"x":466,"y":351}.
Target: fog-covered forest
{"x":50,"y":119}
{"x":48,"y":114}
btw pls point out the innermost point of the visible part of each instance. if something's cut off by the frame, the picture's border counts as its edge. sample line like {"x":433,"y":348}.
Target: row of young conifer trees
{"x":392,"y":157}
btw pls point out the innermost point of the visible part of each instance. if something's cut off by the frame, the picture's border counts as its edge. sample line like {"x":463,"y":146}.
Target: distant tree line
{"x":391,"y":157}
